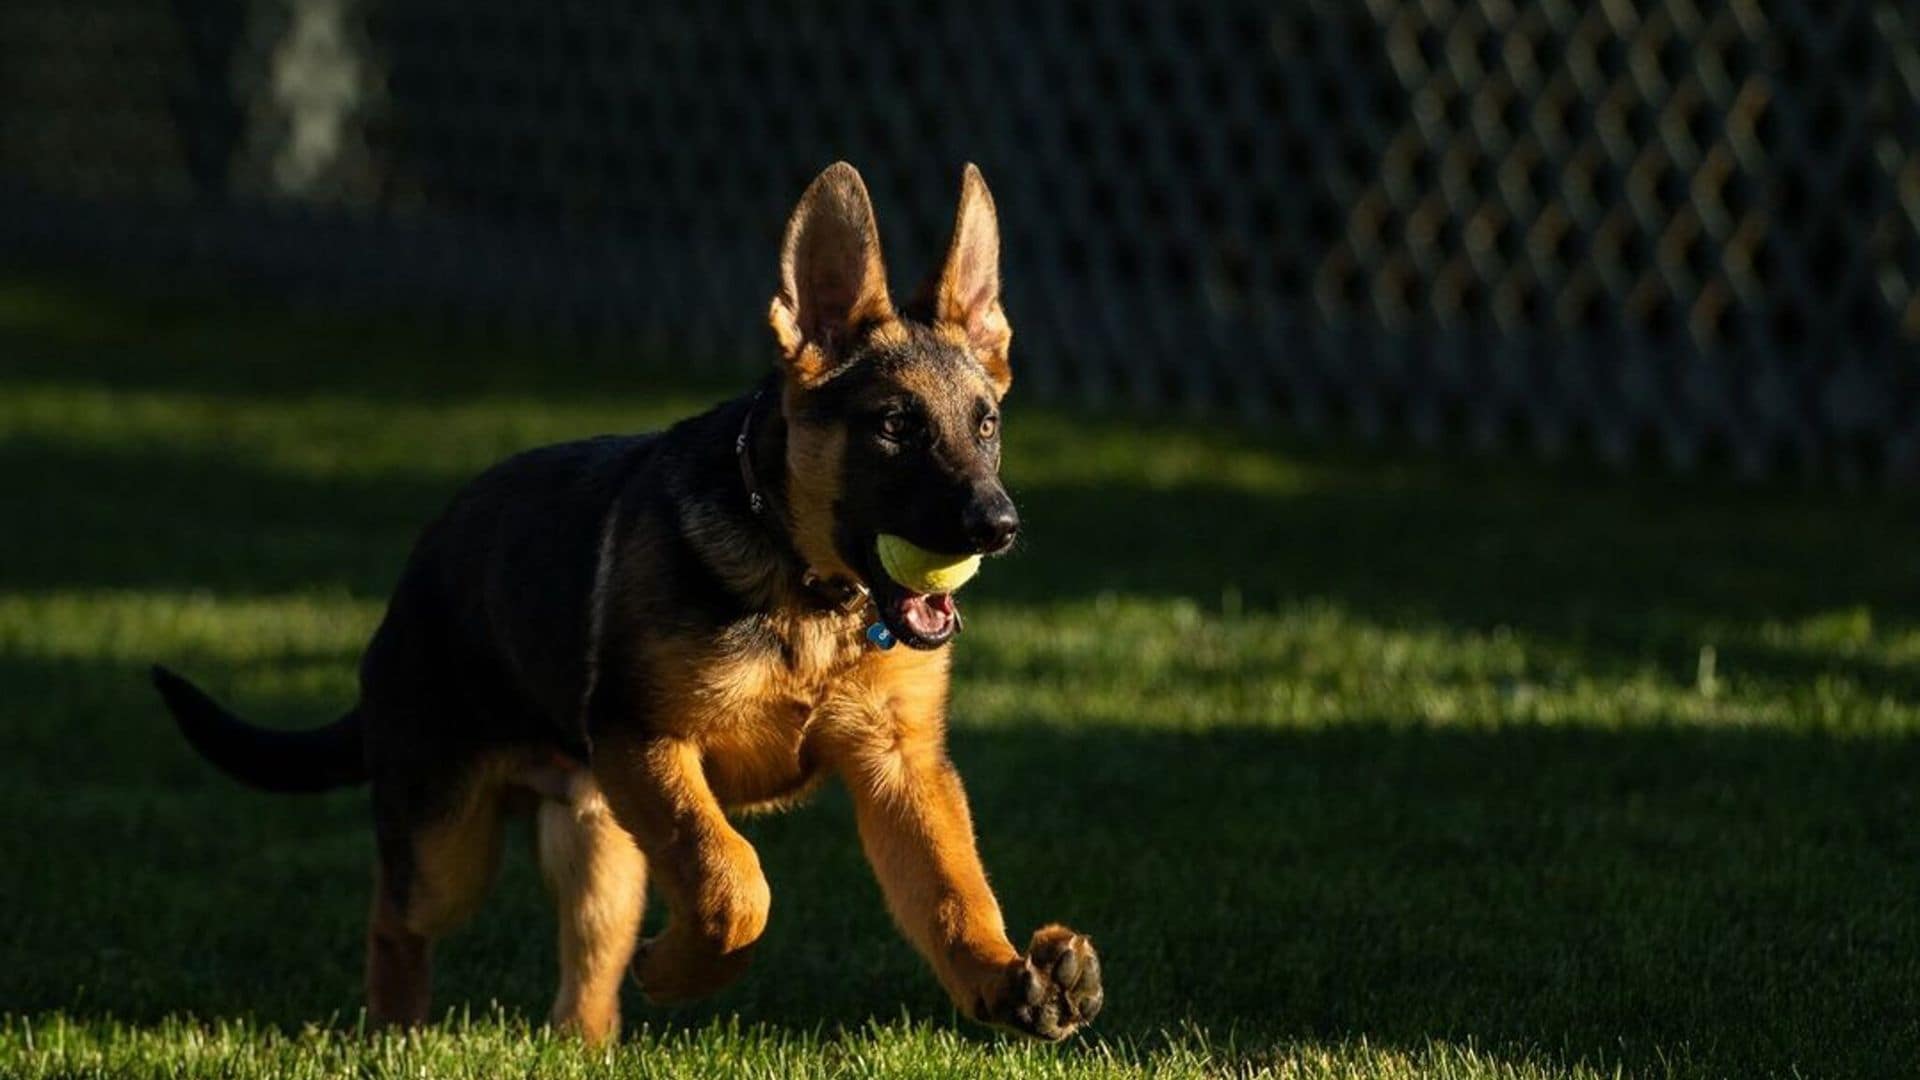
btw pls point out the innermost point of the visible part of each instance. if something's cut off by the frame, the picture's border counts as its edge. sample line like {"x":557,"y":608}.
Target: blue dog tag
{"x":881,"y":637}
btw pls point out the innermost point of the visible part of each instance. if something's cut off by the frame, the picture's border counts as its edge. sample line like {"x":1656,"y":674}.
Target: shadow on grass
{"x":83,"y":519}
{"x":1736,"y":901}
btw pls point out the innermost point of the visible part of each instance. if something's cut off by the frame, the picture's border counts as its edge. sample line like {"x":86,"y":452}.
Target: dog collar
{"x":844,"y":595}
{"x":743,"y":453}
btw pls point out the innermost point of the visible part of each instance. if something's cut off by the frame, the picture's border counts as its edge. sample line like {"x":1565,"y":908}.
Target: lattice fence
{"x":1656,"y":229}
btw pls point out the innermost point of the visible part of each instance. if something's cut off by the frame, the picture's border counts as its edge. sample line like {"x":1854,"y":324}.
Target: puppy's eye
{"x":989,"y":427}
{"x":896,"y":426}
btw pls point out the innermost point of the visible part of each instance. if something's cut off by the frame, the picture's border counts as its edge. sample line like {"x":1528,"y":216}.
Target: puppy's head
{"x":893,"y":416}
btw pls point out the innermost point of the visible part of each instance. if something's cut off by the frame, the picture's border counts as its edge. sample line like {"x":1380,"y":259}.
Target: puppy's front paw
{"x":1054,"y":990}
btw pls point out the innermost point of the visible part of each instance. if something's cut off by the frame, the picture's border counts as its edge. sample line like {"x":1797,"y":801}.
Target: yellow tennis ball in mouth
{"x":925,"y":571}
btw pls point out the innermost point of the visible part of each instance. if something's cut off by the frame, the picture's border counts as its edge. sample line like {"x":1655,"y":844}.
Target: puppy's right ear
{"x":832,"y":281}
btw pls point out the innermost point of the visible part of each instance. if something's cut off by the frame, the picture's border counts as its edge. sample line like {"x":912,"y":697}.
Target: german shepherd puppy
{"x":632,"y":636}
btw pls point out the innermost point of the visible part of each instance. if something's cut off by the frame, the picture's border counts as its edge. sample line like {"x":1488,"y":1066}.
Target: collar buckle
{"x":846,"y":596}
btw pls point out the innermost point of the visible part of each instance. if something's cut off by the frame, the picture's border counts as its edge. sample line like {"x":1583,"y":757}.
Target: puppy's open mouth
{"x":920,"y":620}
{"x":929,"y":617}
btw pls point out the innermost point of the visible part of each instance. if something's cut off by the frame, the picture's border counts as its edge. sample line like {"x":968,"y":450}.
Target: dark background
{"x":1651,"y":232}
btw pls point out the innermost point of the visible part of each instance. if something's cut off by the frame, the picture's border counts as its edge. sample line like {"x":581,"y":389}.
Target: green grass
{"x":1354,"y":766}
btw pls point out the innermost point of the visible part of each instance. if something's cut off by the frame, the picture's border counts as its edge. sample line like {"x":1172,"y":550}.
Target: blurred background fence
{"x":1648,"y":229}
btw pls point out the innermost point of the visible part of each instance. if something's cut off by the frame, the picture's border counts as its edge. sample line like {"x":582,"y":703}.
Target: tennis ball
{"x":925,"y":571}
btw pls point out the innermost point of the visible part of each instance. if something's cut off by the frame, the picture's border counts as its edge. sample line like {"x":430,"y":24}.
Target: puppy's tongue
{"x":928,"y":615}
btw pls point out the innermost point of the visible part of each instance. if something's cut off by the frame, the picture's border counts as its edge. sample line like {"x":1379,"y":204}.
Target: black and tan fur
{"x":606,"y":633}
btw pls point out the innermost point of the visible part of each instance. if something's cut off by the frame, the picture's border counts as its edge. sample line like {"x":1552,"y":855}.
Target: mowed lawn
{"x":1353,"y":765}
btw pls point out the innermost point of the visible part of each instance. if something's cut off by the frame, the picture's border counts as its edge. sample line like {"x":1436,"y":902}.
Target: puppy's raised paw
{"x":1054,"y":990}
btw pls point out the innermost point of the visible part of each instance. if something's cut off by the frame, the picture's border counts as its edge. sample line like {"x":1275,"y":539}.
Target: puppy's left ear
{"x":966,"y":296}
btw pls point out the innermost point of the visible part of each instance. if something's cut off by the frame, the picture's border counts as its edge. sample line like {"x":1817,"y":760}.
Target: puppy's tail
{"x":282,"y":761}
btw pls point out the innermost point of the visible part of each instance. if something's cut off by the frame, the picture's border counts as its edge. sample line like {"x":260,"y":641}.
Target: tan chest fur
{"x":769,"y":702}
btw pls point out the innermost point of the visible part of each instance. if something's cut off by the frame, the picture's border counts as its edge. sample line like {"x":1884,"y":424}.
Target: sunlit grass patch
{"x":463,"y":1046}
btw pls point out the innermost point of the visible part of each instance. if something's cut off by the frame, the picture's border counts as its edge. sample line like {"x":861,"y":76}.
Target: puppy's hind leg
{"x":399,"y":961}
{"x":433,"y":873}
{"x":599,"y":879}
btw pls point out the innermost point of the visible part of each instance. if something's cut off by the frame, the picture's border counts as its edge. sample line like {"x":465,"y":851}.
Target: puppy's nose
{"x":991,"y":522}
